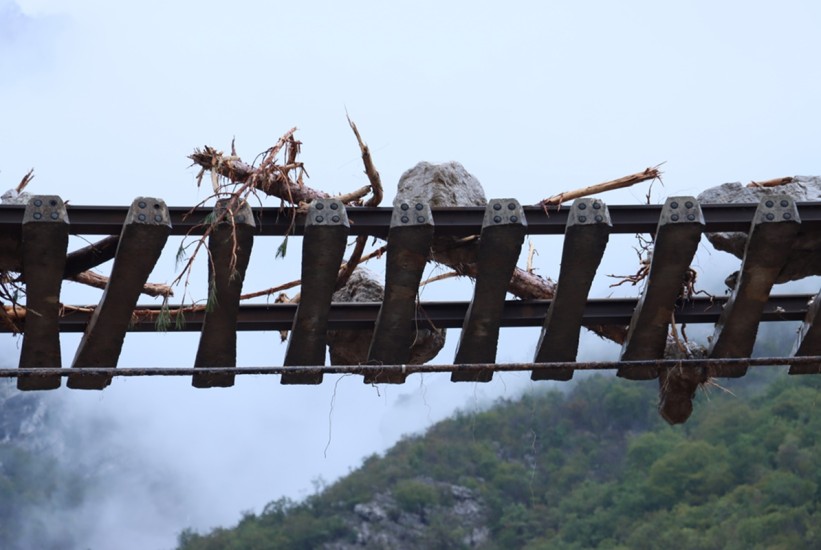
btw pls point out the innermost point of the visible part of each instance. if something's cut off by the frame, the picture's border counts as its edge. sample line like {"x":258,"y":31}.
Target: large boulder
{"x":805,"y":259}
{"x":441,"y":185}
{"x":350,"y":347}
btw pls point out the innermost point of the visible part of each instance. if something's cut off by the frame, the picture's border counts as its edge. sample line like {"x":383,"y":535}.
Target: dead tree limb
{"x":91,"y":256}
{"x":775,"y":182}
{"x":626,"y":181}
{"x":96,"y":280}
{"x":376,"y":187}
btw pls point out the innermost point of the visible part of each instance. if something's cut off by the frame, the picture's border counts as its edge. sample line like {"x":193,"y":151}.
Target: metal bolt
{"x":511,"y":206}
{"x":420,"y":219}
{"x":599,"y":218}
{"x":769,"y":204}
{"x":497,"y":206}
{"x":142,"y":204}
{"x":787,"y":215}
{"x":334,"y":206}
{"x":419,"y":206}
{"x":514,"y":219}
{"x":770,"y":216}
{"x":497,"y":219}
{"x":336,"y":219}
{"x":141,"y":217}
{"x":158,"y":218}
{"x":37,"y":215}
{"x":596,"y":205}
{"x":54,"y":215}
{"x":784,"y":203}
{"x":691,"y":217}
{"x":688,"y":204}
{"x":674,"y":217}
{"x":582,"y":206}
{"x":674,"y":205}
{"x":38,"y":202}
{"x":404,"y":206}
{"x":319,"y":206}
{"x":582,"y":219}
{"x":320,"y":219}
{"x":405,"y":219}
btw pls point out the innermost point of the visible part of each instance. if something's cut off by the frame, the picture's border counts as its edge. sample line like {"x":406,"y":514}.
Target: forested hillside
{"x":595,"y":467}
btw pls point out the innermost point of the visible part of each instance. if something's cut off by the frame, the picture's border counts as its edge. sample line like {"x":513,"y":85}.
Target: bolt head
{"x":405,"y":219}
{"x":404,"y":206}
{"x":497,"y":206}
{"x":336,"y":219}
{"x":770,"y":216}
{"x":420,"y":219}
{"x":769,"y":204}
{"x":787,"y":215}
{"x":158,"y":218}
{"x":784,"y":203}
{"x":511,"y":206}
{"x":320,"y":219}
{"x":596,"y":205}
{"x":674,"y":205}
{"x":514,"y":219}
{"x":688,"y":204}
{"x":599,"y":219}
{"x":419,"y":206}
{"x":319,"y":206}
{"x":582,"y":219}
{"x":497,"y":219}
{"x":38,"y":202}
{"x":674,"y":217}
{"x":583,"y":206}
{"x":37,"y":215}
{"x":142,"y":204}
{"x":334,"y":206}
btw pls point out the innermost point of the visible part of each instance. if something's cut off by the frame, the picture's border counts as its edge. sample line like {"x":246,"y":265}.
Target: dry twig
{"x":376,"y":187}
{"x":96,"y":280}
{"x":775,"y":182}
{"x":626,"y":181}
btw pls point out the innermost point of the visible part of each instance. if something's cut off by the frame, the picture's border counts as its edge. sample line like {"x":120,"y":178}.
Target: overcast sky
{"x":106,"y":99}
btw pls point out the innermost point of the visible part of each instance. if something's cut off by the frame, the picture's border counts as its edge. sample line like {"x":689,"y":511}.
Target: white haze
{"x":106,"y":99}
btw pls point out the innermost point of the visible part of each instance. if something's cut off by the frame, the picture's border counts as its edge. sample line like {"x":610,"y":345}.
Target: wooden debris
{"x":96,"y":280}
{"x":626,"y":181}
{"x":775,"y":182}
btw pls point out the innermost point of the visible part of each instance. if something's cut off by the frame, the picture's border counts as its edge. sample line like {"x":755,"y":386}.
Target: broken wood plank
{"x":229,"y":247}
{"x":775,"y":225}
{"x":585,"y":239}
{"x":44,"y":240}
{"x":323,"y":246}
{"x":409,"y":240}
{"x":500,"y":243}
{"x":808,"y":341}
{"x":676,"y":240}
{"x":142,"y":239}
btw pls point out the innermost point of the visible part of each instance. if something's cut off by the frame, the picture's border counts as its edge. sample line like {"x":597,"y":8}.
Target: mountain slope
{"x":594,"y":467}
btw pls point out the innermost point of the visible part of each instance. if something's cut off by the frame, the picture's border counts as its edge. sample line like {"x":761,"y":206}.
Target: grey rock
{"x":805,"y":259}
{"x":350,"y":347}
{"x":381,"y":523}
{"x":13,"y":197}
{"x":441,"y":185}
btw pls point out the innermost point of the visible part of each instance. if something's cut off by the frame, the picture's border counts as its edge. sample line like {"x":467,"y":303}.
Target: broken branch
{"x":626,"y":181}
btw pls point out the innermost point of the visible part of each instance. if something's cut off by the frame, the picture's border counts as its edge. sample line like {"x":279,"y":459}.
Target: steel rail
{"x":108,"y":220}
{"x":408,"y":369}
{"x":516,"y":313}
